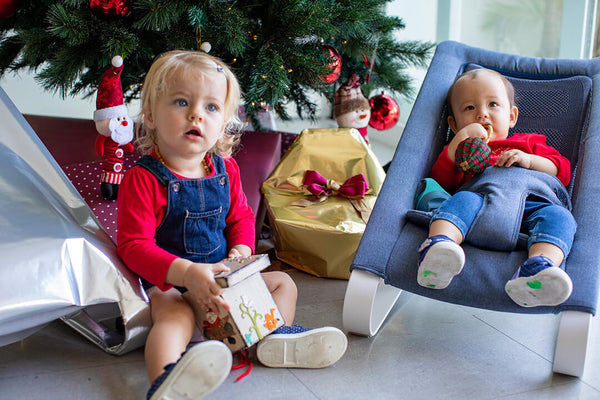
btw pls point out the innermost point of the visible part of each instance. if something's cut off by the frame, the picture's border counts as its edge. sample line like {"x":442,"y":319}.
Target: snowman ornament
{"x":351,"y":107}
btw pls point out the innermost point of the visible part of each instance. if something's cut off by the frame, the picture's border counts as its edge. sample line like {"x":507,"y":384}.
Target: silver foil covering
{"x":56,"y":261}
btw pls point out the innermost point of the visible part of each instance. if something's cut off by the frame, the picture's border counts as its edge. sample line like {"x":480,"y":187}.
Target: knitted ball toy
{"x":472,"y":155}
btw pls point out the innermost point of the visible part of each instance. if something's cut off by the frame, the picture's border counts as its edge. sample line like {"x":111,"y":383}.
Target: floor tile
{"x":425,"y":350}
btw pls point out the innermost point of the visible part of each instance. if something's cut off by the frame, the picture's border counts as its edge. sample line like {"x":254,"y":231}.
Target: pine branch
{"x":10,"y":48}
{"x":158,"y":15}
{"x":274,"y":47}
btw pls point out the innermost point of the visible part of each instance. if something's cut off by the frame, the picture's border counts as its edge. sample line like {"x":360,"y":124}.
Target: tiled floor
{"x":425,"y":350}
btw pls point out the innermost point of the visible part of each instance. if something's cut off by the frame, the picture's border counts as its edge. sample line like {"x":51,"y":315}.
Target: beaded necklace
{"x":162,"y":160}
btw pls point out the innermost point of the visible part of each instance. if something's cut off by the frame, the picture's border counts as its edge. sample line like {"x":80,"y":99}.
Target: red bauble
{"x":384,"y":112}
{"x":334,"y":67}
{"x":8,"y":7}
{"x":111,"y":8}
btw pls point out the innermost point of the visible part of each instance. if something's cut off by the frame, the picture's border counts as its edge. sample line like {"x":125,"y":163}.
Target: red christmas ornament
{"x":384,"y":112}
{"x":8,"y":7}
{"x":111,"y":8}
{"x":334,"y":67}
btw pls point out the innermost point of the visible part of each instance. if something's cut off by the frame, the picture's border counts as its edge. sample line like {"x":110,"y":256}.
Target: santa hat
{"x":349,"y":97}
{"x":109,"y":100}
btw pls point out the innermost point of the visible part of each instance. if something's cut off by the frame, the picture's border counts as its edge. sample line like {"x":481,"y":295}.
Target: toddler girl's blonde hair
{"x":157,"y":81}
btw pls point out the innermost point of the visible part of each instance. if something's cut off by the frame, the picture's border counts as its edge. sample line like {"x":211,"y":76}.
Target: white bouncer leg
{"x":367,"y":303}
{"x":572,"y":342}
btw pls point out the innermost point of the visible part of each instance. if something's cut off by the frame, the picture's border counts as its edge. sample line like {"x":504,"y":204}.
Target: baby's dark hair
{"x":510,"y":90}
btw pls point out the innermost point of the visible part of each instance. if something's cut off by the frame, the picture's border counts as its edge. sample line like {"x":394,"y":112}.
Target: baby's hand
{"x":514,"y":157}
{"x":472,"y":130}
{"x":199,"y":279}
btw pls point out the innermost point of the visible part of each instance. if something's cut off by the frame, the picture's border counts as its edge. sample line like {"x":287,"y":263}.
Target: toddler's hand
{"x":239,"y":250}
{"x":199,"y":279}
{"x":514,"y":157}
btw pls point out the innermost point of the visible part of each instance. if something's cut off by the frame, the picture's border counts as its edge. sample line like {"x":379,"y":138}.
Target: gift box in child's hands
{"x":253,"y":313}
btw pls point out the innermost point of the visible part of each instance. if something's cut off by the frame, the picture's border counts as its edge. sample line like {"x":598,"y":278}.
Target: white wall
{"x":420,"y":19}
{"x":30,"y":98}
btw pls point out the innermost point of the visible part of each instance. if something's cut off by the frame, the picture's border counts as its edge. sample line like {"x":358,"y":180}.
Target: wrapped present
{"x":253,"y":313}
{"x":319,"y":199}
{"x":58,"y":263}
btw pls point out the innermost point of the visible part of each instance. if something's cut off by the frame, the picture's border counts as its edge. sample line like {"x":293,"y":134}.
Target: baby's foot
{"x":297,"y":347}
{"x":440,"y":259}
{"x":199,"y":371}
{"x":539,"y":283}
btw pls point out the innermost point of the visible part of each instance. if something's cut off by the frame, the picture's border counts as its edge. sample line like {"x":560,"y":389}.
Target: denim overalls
{"x":194,"y":224}
{"x":492,"y":208}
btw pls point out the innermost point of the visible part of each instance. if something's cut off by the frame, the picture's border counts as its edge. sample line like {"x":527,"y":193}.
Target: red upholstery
{"x":71,"y":142}
{"x":258,"y":154}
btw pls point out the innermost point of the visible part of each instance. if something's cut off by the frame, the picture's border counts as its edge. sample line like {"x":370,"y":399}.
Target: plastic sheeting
{"x":56,"y":261}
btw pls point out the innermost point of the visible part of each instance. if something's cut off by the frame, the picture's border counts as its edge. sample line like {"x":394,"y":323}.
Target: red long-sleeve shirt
{"x":446,"y":173}
{"x":142,"y":204}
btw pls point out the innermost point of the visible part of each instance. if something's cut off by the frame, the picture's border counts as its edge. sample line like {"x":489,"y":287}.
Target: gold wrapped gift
{"x":320,"y":235}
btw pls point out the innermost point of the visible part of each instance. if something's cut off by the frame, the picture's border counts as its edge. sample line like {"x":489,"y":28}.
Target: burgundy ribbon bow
{"x":354,"y":187}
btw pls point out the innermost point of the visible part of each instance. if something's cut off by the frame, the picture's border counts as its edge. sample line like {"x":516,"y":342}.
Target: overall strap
{"x":158,"y":169}
{"x":218,"y":163}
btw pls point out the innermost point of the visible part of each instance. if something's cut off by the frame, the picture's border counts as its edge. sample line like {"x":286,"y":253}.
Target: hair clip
{"x":219,"y":69}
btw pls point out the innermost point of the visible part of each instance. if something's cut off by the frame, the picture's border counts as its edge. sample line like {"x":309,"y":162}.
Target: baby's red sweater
{"x":446,"y":173}
{"x":142,"y":203}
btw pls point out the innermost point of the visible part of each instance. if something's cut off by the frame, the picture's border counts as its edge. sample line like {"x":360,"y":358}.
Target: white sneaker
{"x":297,"y":347}
{"x":549,"y":287}
{"x":199,"y":371}
{"x":440,"y":260}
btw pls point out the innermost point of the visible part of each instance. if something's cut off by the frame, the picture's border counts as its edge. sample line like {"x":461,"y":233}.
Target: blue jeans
{"x":543,"y":222}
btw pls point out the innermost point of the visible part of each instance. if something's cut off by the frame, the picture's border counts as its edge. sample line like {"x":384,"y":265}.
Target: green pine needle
{"x":274,"y":47}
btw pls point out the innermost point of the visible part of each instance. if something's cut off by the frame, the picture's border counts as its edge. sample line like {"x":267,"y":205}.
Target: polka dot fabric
{"x":86,"y":179}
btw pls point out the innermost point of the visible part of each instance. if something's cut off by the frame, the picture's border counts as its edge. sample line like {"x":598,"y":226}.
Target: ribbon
{"x":354,"y":189}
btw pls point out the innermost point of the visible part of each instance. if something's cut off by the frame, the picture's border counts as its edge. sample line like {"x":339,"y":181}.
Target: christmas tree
{"x":281,"y":51}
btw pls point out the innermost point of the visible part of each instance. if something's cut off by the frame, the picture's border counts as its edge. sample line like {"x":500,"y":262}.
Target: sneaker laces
{"x":244,"y":362}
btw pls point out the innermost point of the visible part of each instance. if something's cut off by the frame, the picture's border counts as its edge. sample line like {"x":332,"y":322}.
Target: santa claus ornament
{"x":351,"y":108}
{"x":115,"y":129}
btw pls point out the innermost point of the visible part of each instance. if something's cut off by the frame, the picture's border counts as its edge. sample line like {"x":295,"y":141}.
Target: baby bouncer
{"x":556,"y":98}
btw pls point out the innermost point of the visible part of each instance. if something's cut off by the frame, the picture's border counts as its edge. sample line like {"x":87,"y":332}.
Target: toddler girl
{"x":181,"y":210}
